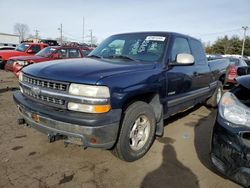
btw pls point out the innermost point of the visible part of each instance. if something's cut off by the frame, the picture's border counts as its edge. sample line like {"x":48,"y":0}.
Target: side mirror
{"x":30,"y":51}
{"x":243,"y":71}
{"x":185,"y":59}
{"x":55,"y":56}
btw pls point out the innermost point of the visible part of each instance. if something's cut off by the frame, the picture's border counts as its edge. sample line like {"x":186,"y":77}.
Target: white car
{"x":7,"y":47}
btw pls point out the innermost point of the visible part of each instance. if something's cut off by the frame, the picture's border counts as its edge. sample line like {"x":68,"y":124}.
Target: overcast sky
{"x":205,"y":20}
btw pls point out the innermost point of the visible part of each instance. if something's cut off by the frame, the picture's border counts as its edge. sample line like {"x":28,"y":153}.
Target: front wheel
{"x":214,"y":100}
{"x":2,"y":65}
{"x":137,"y":132}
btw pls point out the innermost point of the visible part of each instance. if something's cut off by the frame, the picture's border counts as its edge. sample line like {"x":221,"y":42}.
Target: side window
{"x":198,"y":51}
{"x":74,"y":53}
{"x":62,"y":53}
{"x":86,"y":52}
{"x":180,"y":46}
{"x":35,"y":48}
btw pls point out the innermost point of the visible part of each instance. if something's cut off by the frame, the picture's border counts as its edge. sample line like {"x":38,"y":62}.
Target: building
{"x":34,"y":40}
{"x":9,"y":39}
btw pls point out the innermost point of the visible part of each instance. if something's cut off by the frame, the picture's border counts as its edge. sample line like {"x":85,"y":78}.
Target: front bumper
{"x":230,"y":151}
{"x":13,"y":67}
{"x":9,"y":67}
{"x":94,"y":130}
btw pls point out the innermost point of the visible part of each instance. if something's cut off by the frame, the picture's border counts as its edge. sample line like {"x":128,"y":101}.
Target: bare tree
{"x":22,"y":30}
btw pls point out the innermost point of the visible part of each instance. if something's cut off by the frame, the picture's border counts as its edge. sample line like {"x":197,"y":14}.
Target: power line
{"x":83,"y":25}
{"x":36,"y":33}
{"x":61,"y":32}
{"x":72,"y":36}
{"x":217,"y":33}
{"x":91,"y":37}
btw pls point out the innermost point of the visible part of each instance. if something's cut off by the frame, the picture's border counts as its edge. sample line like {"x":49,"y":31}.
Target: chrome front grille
{"x":45,"y":83}
{"x":44,"y":98}
{"x":32,"y":88}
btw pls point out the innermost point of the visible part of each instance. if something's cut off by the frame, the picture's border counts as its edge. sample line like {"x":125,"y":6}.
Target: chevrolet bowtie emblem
{"x":36,"y":90}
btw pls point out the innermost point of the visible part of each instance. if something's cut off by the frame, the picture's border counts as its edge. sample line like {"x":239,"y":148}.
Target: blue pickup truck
{"x":118,"y":97}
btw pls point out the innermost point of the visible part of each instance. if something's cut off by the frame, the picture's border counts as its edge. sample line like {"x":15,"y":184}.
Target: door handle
{"x":195,"y":73}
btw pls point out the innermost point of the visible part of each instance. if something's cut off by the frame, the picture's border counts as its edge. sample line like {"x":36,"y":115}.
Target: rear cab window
{"x":198,"y":51}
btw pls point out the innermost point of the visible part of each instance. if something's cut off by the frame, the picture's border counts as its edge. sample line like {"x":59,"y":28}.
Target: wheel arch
{"x":153,"y":99}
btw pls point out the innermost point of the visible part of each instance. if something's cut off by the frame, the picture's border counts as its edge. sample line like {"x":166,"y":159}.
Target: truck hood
{"x":5,"y":54}
{"x":85,"y":70}
{"x":33,"y":58}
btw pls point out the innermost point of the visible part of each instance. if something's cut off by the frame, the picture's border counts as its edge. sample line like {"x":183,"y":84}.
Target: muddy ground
{"x":179,"y":159}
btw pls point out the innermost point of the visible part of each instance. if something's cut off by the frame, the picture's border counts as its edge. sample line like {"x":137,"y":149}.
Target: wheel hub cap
{"x":139,"y":133}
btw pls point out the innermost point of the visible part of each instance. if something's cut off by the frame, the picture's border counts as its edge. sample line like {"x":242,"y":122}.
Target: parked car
{"x":118,"y":97}
{"x":15,"y":64}
{"x":232,"y":70}
{"x":24,"y":49}
{"x":230,"y":150}
{"x":7,"y":48}
{"x":247,"y":60}
{"x":213,"y":56}
{"x":222,"y":67}
{"x":49,"y":42}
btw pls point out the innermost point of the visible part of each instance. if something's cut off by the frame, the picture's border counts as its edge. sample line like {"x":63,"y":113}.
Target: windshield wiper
{"x":95,"y":56}
{"x":121,"y":57}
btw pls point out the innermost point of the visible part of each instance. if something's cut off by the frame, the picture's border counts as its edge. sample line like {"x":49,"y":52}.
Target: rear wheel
{"x":137,"y":132}
{"x":214,"y":100}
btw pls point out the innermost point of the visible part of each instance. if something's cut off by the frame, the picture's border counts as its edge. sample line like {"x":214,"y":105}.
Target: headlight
{"x":20,"y":77}
{"x":232,"y":110}
{"x":89,"y":91}
{"x":22,"y":63}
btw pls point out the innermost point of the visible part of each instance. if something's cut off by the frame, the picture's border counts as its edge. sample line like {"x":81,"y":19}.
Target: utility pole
{"x":61,"y":37}
{"x":36,"y":34}
{"x":244,"y":39}
{"x":91,"y":37}
{"x":83,"y":22}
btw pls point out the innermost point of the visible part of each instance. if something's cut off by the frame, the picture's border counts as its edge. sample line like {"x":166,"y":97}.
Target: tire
{"x":137,"y":132}
{"x":2,"y":65}
{"x":214,"y":100}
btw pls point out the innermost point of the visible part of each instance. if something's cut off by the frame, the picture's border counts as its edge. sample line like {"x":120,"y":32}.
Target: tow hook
{"x":74,"y":141}
{"x":20,"y":121}
{"x":51,"y":138}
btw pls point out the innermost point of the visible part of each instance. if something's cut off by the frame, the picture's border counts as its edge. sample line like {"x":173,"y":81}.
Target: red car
{"x":232,"y":70}
{"x":24,"y":49}
{"x":50,"y":53}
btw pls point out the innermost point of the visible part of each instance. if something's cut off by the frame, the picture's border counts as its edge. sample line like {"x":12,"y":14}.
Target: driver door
{"x":180,"y":78}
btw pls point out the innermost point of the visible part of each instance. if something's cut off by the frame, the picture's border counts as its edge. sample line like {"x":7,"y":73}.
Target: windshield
{"x":22,"y":47}
{"x":137,"y":47}
{"x":46,"y":52}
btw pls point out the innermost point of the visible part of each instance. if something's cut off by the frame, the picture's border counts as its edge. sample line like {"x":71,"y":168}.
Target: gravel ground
{"x":179,"y":159}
